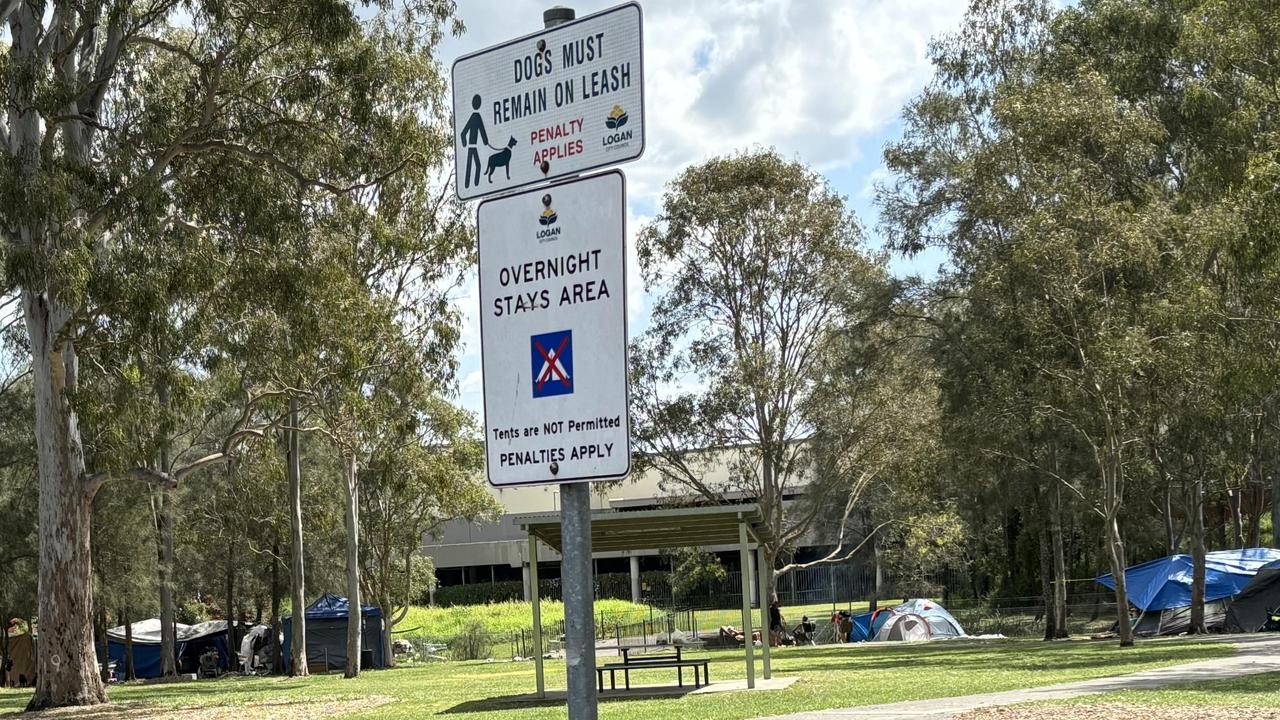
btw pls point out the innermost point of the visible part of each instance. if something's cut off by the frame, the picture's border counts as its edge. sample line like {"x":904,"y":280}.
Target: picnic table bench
{"x":649,"y":662}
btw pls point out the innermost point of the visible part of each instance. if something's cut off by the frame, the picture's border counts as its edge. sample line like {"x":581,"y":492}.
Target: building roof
{"x":655,"y":529}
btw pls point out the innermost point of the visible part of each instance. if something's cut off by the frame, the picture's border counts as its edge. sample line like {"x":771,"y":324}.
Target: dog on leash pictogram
{"x":552,"y":355}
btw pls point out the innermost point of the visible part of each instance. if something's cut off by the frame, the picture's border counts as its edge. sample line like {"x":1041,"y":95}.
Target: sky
{"x":821,"y":81}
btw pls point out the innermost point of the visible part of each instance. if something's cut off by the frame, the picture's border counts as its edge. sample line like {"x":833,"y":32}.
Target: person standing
{"x":775,"y":624}
{"x":472,"y":132}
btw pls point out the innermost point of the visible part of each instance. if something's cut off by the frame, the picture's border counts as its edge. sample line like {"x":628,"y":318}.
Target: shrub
{"x":472,"y":643}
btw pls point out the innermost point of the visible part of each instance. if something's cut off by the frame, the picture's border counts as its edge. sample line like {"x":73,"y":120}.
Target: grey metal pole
{"x":537,"y":616}
{"x":745,"y":554}
{"x":635,"y":579}
{"x":579,"y":619}
{"x":766,"y":595}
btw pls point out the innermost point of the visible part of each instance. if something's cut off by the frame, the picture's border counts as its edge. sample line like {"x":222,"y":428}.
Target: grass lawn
{"x":831,"y":676}
{"x":504,"y":617}
{"x":1253,"y":691}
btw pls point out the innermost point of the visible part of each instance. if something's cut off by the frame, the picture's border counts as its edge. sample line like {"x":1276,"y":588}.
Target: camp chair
{"x":208,"y":665}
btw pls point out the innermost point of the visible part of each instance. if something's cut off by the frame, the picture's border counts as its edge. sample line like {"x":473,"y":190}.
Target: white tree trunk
{"x":66,"y":666}
{"x":1115,"y":553}
{"x":298,"y":581}
{"x":354,"y":618}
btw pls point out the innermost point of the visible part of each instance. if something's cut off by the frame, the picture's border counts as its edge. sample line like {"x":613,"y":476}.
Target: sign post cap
{"x":557,"y":15}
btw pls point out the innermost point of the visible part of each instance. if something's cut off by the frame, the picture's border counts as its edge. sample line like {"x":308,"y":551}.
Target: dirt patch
{"x":1119,"y":712}
{"x":268,"y":710}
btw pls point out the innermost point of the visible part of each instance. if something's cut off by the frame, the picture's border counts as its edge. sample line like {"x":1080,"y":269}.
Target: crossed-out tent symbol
{"x":552,"y":358}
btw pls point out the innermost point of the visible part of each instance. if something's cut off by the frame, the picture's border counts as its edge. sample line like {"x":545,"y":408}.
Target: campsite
{"x":782,"y":359}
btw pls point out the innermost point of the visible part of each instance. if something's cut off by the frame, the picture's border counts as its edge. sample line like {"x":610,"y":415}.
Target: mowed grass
{"x":499,"y":618}
{"x":1249,"y":691}
{"x":830,"y":677}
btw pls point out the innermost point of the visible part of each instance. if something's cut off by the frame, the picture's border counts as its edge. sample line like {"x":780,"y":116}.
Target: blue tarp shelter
{"x":1166,"y":583}
{"x":191,"y":642}
{"x":327,"y":634}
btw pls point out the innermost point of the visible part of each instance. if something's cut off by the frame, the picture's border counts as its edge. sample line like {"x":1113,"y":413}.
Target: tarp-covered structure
{"x":17,"y":659}
{"x":327,"y":634}
{"x":1257,"y":602}
{"x":917,"y":619}
{"x":192,"y":641}
{"x":1161,"y":589}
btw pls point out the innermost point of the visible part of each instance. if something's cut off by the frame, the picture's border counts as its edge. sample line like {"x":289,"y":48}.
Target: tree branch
{"x":834,"y":556}
{"x":6,"y":9}
{"x":279,"y":164}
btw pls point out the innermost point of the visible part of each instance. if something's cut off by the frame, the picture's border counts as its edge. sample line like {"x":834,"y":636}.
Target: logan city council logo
{"x":619,"y":138}
{"x":547,"y":219}
{"x":616,"y":119}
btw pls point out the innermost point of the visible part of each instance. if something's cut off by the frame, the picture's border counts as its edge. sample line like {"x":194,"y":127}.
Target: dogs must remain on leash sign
{"x":555,"y":103}
{"x":553,"y":332}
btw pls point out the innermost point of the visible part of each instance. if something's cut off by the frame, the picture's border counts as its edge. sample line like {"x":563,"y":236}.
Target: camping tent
{"x":327,"y":634}
{"x":1251,"y":609}
{"x":192,"y":641}
{"x":19,"y":649}
{"x":1161,"y":588}
{"x":912,"y":620}
{"x":1166,"y":582}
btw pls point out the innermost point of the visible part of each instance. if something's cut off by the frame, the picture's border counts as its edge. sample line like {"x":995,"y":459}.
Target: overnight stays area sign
{"x":551,"y":104}
{"x":553,"y":332}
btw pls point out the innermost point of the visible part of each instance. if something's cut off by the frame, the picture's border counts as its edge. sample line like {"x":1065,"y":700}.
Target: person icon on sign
{"x":473,"y":134}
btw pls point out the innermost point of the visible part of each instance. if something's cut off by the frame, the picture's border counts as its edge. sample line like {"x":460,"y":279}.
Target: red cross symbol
{"x":552,"y":368}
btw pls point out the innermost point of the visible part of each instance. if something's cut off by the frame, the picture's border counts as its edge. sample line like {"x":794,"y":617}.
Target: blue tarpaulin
{"x":1166,"y":582}
{"x":190,"y":642}
{"x":327,"y":633}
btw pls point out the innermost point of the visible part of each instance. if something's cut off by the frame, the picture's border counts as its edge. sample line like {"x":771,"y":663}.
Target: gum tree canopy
{"x":135,"y":135}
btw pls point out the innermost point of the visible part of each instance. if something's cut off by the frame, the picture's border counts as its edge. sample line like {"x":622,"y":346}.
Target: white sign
{"x":553,"y":332}
{"x":555,"y":103}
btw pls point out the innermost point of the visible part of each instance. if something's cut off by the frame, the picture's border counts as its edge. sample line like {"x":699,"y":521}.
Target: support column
{"x":635,"y":579}
{"x":579,"y":594}
{"x":745,"y":555}
{"x":537,"y":616}
{"x":755,"y":586}
{"x":766,"y":595}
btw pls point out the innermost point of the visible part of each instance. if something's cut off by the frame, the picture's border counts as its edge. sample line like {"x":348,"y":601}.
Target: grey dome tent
{"x":917,"y":619}
{"x":1251,"y":609}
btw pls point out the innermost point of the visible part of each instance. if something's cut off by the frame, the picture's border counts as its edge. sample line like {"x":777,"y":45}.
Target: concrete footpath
{"x":1254,"y":654}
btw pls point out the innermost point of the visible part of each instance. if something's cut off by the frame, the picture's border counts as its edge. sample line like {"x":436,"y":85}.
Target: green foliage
{"x":921,"y":546}
{"x":480,"y":593}
{"x":473,"y":643}
{"x":755,"y":258}
{"x":692,"y":568}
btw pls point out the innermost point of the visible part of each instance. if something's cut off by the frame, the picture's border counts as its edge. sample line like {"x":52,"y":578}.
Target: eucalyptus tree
{"x":754,"y":258}
{"x":124,"y":121}
{"x":1021,"y":160}
{"x":421,"y":471}
{"x":18,"y":474}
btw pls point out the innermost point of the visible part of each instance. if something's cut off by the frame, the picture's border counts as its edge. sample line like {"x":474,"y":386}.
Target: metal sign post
{"x":553,"y":326}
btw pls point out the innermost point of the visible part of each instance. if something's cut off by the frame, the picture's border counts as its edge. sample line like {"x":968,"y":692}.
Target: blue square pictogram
{"x":552,"y":355}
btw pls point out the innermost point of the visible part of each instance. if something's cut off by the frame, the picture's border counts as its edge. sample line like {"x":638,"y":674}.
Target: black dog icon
{"x":501,"y":159}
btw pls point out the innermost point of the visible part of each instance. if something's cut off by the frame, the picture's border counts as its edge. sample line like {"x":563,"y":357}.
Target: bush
{"x":472,"y":643}
{"x":480,"y":593}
